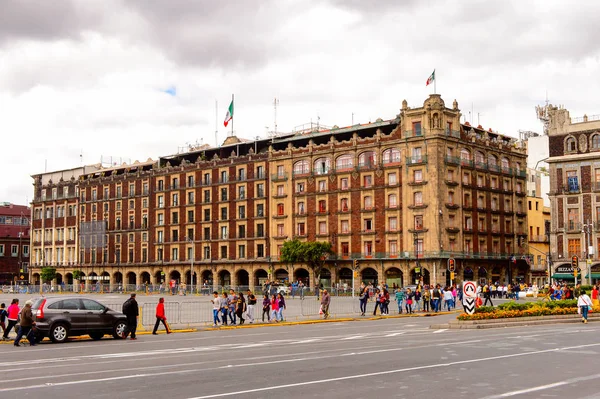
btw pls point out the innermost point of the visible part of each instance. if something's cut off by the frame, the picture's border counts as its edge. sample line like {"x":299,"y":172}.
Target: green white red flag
{"x":229,"y":115}
{"x":431,"y":78}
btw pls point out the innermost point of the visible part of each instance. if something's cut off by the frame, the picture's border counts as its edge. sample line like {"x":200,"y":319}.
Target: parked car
{"x":62,"y":317}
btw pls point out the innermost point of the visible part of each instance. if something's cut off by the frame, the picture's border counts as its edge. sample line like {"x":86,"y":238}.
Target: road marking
{"x":352,"y":337}
{"x":387,"y":372}
{"x":544,"y":387}
{"x":396,"y":333}
{"x":439,"y":331}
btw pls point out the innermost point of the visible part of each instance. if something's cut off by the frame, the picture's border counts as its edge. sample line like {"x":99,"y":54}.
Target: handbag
{"x":321,"y":309}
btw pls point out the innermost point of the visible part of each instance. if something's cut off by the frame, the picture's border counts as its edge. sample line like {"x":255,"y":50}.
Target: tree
{"x":48,"y":274}
{"x":77,"y":274}
{"x":314,"y":254}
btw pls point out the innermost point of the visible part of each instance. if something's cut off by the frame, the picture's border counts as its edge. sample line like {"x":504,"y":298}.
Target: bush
{"x":484,"y":309}
{"x":512,"y":305}
{"x":513,"y":309}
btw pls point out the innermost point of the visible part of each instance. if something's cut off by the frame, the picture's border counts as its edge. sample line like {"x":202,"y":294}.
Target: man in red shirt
{"x":160,"y":316}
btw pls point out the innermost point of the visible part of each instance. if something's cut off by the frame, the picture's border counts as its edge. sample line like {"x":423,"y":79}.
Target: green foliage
{"x":48,"y":274}
{"x":512,"y":305}
{"x":314,"y":254}
{"x":77,"y":274}
{"x":484,"y":309}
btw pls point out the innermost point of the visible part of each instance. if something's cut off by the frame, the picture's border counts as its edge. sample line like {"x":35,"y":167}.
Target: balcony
{"x":417,"y":183}
{"x":453,"y":133}
{"x":414,"y":133}
{"x":494,"y":168}
{"x":520,"y":193}
{"x":391,"y":160}
{"x":367,"y":165}
{"x":416,"y":160}
{"x":322,"y":171}
{"x":279,"y":177}
{"x":466,"y":163}
{"x":451,"y":183}
{"x":452,"y":205}
{"x":450,"y":160}
{"x":573,"y":227}
{"x":300,"y":173}
{"x":540,"y":239}
{"x":481,"y":165}
{"x":452,"y":229}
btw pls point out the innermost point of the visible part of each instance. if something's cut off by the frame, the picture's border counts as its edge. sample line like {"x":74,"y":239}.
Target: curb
{"x":87,"y":338}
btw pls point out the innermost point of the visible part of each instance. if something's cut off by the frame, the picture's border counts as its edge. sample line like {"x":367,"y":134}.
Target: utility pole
{"x":587,"y":229}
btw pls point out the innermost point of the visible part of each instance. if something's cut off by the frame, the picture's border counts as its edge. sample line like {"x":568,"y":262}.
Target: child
{"x":3,"y":314}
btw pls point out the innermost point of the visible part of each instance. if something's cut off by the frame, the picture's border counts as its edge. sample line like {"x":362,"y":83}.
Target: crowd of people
{"x":236,"y":306}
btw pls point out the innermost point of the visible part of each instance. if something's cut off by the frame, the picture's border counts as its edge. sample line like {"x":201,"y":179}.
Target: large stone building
{"x":421,"y":187}
{"x":574,"y":146}
{"x":14,"y":243}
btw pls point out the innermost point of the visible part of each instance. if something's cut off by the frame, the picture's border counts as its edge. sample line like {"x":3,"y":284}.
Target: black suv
{"x":61,"y":317}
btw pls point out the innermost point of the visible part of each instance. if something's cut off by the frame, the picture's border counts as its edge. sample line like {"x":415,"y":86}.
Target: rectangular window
{"x":301,"y":229}
{"x":572,"y":181}
{"x":206,"y":196}
{"x":368,"y":248}
{"x":260,"y":250}
{"x":322,"y":186}
{"x":345,"y":226}
{"x":280,"y":191}
{"x":260,"y":210}
{"x":280,"y":210}
{"x":367,"y":181}
{"x":223,"y":251}
{"x":175,"y":235}
{"x":368,"y":223}
{"x":260,"y":190}
{"x":207,"y":215}
{"x":260,"y":230}
{"x":392,"y":179}
{"x":322,"y":228}
{"x":418,"y":176}
{"x":242,"y":212}
{"x":190,"y":216}
{"x":190,"y":198}
{"x":190,"y":181}
{"x":393,"y":247}
{"x":393,"y":223}
{"x":574,"y":247}
{"x":345,"y":249}
{"x":260,"y":172}
{"x":280,"y":230}
{"x":241,"y":231}
{"x":207,"y":233}
{"x":241,"y":192}
{"x":175,"y":217}
{"x":224,"y":234}
{"x":241,"y":251}
{"x":280,"y":171}
{"x":223,"y":194}
{"x":417,"y":129}
{"x":14,"y":250}
{"x":419,"y":222}
{"x":322,"y":206}
{"x":299,"y":187}
{"x":223,"y":213}
{"x":344,"y":183}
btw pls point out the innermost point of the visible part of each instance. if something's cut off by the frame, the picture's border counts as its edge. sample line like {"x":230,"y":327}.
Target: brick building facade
{"x":14,"y":243}
{"x":421,"y":186}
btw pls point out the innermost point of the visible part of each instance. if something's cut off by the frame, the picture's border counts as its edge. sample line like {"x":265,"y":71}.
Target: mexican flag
{"x":229,"y":115}
{"x":431,"y":78}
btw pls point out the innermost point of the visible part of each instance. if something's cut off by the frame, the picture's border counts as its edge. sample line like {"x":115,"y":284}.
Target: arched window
{"x":505,"y":164}
{"x":596,"y":142}
{"x":344,"y":162}
{"x":392,"y":201}
{"x":571,"y":144}
{"x":301,"y":167}
{"x":391,"y":155}
{"x":367,"y":159}
{"x":479,"y":158}
{"x":465,"y":154}
{"x":322,"y":166}
{"x":492,"y":160}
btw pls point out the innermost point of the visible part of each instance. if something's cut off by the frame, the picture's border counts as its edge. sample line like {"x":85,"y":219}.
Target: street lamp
{"x":189,"y":239}
{"x":417,"y":268}
{"x":587,"y":230}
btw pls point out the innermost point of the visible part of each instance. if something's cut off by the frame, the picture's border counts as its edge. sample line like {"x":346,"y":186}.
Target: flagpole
{"x":216,"y":123}
{"x":232,"y":113}
{"x":434,"y":82}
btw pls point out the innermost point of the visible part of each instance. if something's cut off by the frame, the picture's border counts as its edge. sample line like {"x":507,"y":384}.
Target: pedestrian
{"x":448,"y":299}
{"x":275,"y":308}
{"x":266,"y":308}
{"x":400,"y":299}
{"x":437,"y":296}
{"x":240,"y":307}
{"x":251,"y":306}
{"x":409,"y":300}
{"x":487,"y":295}
{"x":13,"y":317}
{"x":132,"y":311}
{"x":377,"y":297}
{"x":224,"y":308}
{"x":301,"y":289}
{"x":27,"y":324}
{"x":417,"y":299}
{"x":385,"y":302}
{"x":595,"y":296}
{"x":3,"y":315}
{"x":584,"y":303}
{"x":161,"y":317}
{"x":216,"y":302}
{"x":363,"y":299}
{"x":282,"y":306}
{"x":426,"y":299}
{"x":325,"y":301}
{"x":233,"y":298}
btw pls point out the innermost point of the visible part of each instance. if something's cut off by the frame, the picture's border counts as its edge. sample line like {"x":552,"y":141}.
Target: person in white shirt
{"x":216,"y":301}
{"x":584,"y":303}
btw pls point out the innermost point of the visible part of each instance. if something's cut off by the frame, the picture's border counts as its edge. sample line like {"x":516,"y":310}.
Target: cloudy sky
{"x":134,"y":79}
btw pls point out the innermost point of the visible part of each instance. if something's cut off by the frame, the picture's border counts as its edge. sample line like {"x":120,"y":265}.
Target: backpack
{"x":3,"y":314}
{"x":126,"y":306}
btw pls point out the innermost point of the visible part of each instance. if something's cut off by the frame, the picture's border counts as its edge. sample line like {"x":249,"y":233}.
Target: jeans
{"x":216,"y":316}
{"x":363,"y":306}
{"x":224,"y":316}
{"x":25,"y":331}
{"x":584,"y":312}
{"x":266,"y":311}
{"x":280,"y":314}
{"x":250,"y":313}
{"x":275,"y":314}
{"x":302,"y":293}
{"x":417,"y":304}
{"x":436,"y":304}
{"x":232,"y":316}
{"x":400,"y":306}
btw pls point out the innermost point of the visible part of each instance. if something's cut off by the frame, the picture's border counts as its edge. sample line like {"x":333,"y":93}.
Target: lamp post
{"x":189,"y":239}
{"x":417,"y":268}
{"x":587,"y":230}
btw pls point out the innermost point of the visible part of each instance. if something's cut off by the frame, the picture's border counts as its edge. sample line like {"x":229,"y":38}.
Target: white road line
{"x":352,"y":337}
{"x":396,"y":333}
{"x":439,"y":331}
{"x":544,"y":387}
{"x":387,"y":372}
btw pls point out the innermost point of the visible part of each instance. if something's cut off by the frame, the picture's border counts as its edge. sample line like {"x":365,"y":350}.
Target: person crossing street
{"x":325,"y":301}
{"x":132,"y":311}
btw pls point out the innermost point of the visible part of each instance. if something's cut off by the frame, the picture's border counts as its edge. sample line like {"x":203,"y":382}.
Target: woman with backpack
{"x":363,"y":299}
{"x":240,"y":308}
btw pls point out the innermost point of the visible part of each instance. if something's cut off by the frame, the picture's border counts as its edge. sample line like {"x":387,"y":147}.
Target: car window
{"x":70,"y":304}
{"x":92,"y":305}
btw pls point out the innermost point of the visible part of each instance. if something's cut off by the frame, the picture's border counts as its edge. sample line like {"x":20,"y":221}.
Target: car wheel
{"x":59,"y":333}
{"x":119,"y":330}
{"x":96,"y":336}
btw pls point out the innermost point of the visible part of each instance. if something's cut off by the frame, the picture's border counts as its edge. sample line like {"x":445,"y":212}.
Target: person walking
{"x":216,"y":302}
{"x":417,"y":299}
{"x":487,"y":294}
{"x":584,"y":303}
{"x":3,"y":315}
{"x":301,"y":289}
{"x":275,"y":308}
{"x":240,"y":307}
{"x":377,"y":298}
{"x":266,"y":308}
{"x":282,"y":306}
{"x":132,"y":311}
{"x":13,"y":317}
{"x":437,"y":296}
{"x":448,"y":299}
{"x":385,"y":302}
{"x":363,"y":299}
{"x":325,"y":301}
{"x":27,"y":324}
{"x":232,"y":305}
{"x":409,"y":300}
{"x":595,"y":296}
{"x":400,"y":299}
{"x":426,"y":299}
{"x":161,"y":317}
{"x":224,"y":308}
{"x":251,"y":306}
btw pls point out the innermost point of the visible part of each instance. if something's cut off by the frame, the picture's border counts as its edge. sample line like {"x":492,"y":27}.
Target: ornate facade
{"x":396,"y":198}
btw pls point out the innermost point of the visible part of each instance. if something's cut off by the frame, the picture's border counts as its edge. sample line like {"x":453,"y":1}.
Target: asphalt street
{"x":399,"y":358}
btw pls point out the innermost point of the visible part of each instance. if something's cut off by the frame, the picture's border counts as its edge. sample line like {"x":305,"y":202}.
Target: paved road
{"x":399,"y":358}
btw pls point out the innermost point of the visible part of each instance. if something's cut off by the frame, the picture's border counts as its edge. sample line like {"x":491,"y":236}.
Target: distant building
{"x":574,"y":148}
{"x":14,"y":242}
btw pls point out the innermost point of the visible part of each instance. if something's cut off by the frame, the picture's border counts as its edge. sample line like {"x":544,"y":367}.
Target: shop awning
{"x":563,"y":276}
{"x":594,"y":275}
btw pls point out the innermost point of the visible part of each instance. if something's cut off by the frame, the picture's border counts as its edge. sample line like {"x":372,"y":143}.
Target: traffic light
{"x":355,"y":263}
{"x":574,"y":262}
{"x":451,"y":264}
